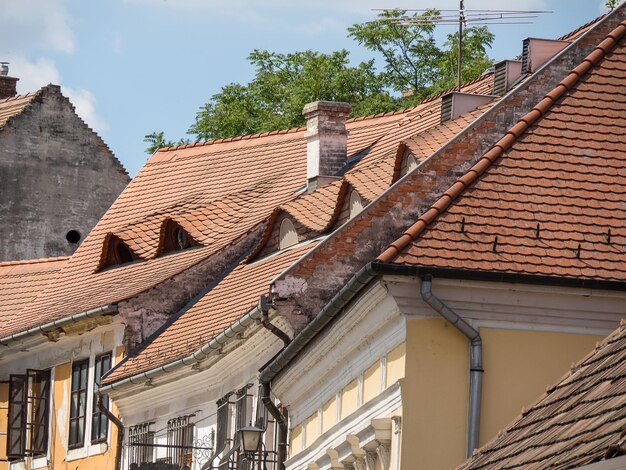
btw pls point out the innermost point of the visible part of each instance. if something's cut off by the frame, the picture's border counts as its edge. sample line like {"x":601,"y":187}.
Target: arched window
{"x":115,"y":252}
{"x":288,"y":234}
{"x":174,"y":238}
{"x":356,"y":205}
{"x":409,"y":164}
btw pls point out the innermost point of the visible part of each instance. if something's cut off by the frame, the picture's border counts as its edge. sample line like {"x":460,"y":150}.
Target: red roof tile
{"x":548,"y":198}
{"x":10,"y":107}
{"x":21,"y":281}
{"x":232,"y":298}
{"x":576,"y":422}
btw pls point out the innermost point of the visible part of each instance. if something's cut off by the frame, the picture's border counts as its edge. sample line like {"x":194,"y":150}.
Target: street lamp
{"x":249,"y":437}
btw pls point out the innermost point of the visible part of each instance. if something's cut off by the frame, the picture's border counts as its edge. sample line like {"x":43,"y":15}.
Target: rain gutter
{"x":206,"y":350}
{"x":56,"y":324}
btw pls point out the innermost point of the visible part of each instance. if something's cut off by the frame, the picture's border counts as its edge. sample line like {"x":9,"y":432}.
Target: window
{"x":29,"y":398}
{"x":174,"y":238}
{"x":141,"y":444}
{"x":180,"y":441}
{"x":224,"y":413}
{"x":78,"y":404}
{"x":99,"y":422}
{"x":356,"y":205}
{"x":288,"y":234}
{"x":115,"y":252}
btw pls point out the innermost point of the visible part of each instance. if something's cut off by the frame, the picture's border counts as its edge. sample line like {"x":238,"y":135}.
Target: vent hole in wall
{"x":73,"y":236}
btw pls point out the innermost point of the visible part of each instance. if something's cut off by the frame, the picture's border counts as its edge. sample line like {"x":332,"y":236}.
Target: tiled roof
{"x":233,"y":297}
{"x":548,"y":198}
{"x":10,"y":107}
{"x":218,"y":191}
{"x":21,"y":281}
{"x":578,"y":421}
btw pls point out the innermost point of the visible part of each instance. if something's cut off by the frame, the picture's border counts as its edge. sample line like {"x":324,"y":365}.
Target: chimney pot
{"x":327,"y":140}
{"x":8,"y":85}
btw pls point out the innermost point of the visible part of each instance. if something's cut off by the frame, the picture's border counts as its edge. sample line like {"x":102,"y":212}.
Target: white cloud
{"x":27,"y":25}
{"x":41,"y":72}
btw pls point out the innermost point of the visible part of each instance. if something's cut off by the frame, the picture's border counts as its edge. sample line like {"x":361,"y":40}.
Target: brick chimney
{"x":327,"y":141}
{"x":8,"y":85}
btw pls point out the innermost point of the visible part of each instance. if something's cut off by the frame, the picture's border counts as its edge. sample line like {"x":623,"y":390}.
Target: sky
{"x":132,"y":67}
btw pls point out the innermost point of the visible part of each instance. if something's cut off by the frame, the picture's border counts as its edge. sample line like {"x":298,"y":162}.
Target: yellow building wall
{"x":434,"y":396}
{"x":295,"y":440}
{"x":395,"y":364}
{"x":329,"y":414}
{"x":4,"y":403}
{"x":519,"y":365}
{"x":59,"y":424}
{"x":371,"y":382}
{"x":349,"y":397}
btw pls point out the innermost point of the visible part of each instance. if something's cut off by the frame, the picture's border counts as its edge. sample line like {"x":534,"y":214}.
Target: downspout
{"x":476,"y":359}
{"x":266,"y":398}
{"x":120,"y":431}
{"x":282,"y":424}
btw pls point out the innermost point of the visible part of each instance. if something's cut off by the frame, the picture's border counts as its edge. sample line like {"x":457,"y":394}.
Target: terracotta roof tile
{"x":560,"y":169}
{"x":233,"y":297}
{"x":21,"y":281}
{"x":574,"y":423}
{"x":10,"y":107}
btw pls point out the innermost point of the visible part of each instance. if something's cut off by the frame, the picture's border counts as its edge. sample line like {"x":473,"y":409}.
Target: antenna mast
{"x":459,"y":59}
{"x":465,"y":17}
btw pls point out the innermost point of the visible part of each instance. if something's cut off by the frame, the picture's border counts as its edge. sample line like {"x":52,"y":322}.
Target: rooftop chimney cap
{"x":334,"y":107}
{"x":4,"y":68}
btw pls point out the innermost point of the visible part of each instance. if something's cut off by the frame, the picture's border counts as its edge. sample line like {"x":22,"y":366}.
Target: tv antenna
{"x":463,"y":17}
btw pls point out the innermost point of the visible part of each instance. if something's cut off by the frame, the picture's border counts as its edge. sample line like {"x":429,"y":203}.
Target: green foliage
{"x":410,"y":52}
{"x":413,"y":61}
{"x":157,"y":140}
{"x":283,"y":84}
{"x":611,"y":4}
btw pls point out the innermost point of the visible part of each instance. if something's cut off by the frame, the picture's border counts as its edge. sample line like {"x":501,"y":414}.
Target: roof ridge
{"x":509,"y":138}
{"x":300,"y":129}
{"x":233,"y":139}
{"x":33,"y":261}
{"x":580,"y":28}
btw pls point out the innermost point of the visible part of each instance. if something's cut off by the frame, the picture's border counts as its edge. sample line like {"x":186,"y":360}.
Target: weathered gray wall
{"x":56,"y":175}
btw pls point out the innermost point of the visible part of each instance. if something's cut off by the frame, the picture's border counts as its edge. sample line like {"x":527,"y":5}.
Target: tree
{"x":157,"y":140}
{"x":413,"y":61}
{"x":282,"y":85}
{"x":411,"y":55}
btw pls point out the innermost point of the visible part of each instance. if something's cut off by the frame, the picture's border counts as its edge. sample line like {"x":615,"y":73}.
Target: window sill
{"x":84,"y":452}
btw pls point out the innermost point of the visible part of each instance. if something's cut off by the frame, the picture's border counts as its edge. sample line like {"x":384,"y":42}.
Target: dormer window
{"x":116,"y":252}
{"x":356,"y":205}
{"x":174,"y":238}
{"x":288,"y":235}
{"x":409,"y":164}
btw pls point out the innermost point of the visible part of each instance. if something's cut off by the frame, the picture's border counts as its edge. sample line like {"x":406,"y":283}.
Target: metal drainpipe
{"x":266,"y":398}
{"x":476,"y":359}
{"x":120,"y":432}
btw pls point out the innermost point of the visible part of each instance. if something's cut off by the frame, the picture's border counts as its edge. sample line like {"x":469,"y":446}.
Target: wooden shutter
{"x":16,"y":438}
{"x":39,"y":398}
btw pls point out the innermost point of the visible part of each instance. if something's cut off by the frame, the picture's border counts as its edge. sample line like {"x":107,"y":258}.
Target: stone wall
{"x":57,"y":178}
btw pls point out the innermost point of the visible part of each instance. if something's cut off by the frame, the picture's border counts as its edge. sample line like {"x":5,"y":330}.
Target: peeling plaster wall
{"x":310,"y":285}
{"x":57,"y":175}
{"x":145,"y":313}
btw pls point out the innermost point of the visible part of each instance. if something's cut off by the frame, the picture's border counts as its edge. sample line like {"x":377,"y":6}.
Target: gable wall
{"x":57,"y":175}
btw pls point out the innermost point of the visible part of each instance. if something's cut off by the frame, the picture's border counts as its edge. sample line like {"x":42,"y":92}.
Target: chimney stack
{"x":8,"y":85}
{"x":327,"y":141}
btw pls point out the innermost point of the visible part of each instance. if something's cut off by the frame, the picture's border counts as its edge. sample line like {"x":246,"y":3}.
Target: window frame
{"x":79,"y":442}
{"x":180,"y":432}
{"x":96,"y":414}
{"x":34,"y":423}
{"x":141,"y":434}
